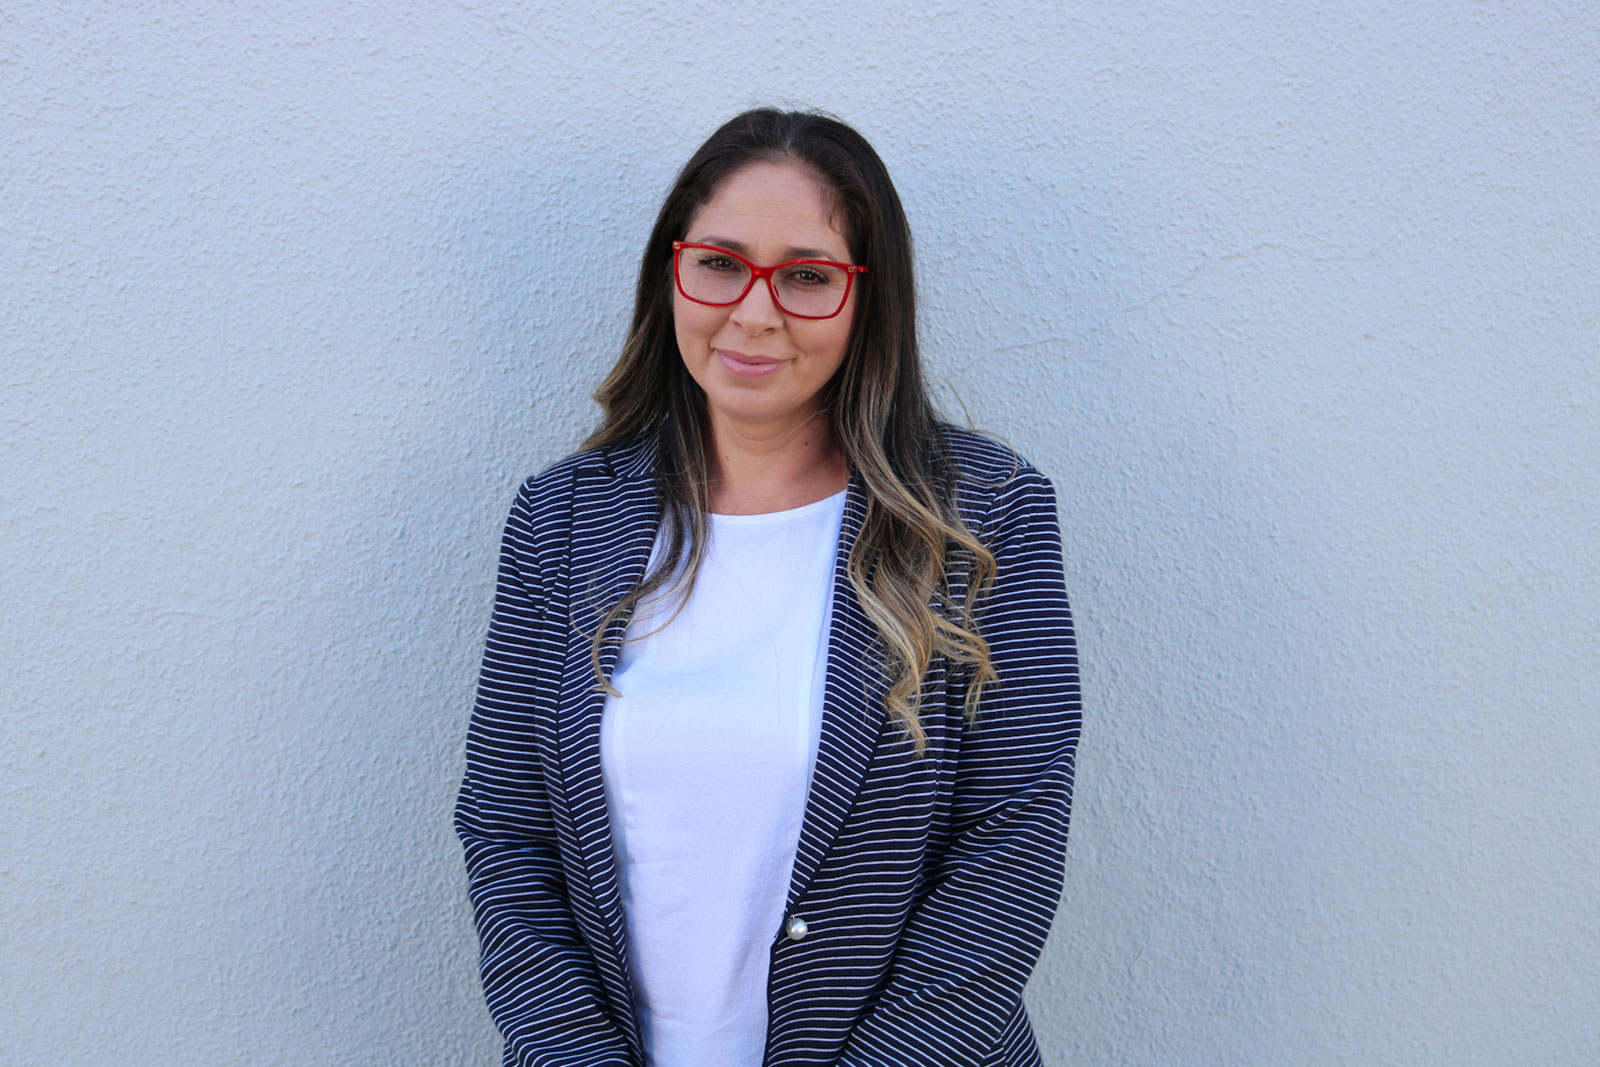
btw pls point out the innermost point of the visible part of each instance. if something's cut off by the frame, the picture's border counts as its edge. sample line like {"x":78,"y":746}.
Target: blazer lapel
{"x":615,"y":516}
{"x":853,"y":719}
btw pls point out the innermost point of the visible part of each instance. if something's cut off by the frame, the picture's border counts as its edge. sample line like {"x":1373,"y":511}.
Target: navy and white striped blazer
{"x":926,"y":885}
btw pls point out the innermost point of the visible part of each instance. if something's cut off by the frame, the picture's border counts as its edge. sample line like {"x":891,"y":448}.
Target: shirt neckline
{"x":827,"y":503}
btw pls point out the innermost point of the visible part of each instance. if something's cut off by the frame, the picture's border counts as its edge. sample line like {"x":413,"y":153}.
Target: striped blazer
{"x":923,"y":886}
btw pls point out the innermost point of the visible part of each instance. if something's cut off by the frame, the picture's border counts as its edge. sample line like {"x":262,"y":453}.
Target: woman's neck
{"x":760,"y":469}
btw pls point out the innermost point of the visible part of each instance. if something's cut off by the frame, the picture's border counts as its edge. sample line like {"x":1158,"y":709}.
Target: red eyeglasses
{"x":804,"y":288}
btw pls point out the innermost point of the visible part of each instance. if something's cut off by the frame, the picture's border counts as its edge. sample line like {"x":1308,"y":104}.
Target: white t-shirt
{"x":707,"y":758}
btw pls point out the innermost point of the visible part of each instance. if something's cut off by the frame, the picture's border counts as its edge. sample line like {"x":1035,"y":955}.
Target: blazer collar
{"x":632,"y":460}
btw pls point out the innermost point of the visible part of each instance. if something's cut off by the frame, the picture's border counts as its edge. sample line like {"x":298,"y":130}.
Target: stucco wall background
{"x":1294,"y":301}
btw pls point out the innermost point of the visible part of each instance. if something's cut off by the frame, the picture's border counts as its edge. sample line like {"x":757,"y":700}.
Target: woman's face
{"x":763,"y":371}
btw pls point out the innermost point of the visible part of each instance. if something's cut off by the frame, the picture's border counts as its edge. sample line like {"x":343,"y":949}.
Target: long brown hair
{"x":882,"y":418}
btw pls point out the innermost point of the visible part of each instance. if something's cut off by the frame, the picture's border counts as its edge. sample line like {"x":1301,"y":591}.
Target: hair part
{"x":912,"y":536}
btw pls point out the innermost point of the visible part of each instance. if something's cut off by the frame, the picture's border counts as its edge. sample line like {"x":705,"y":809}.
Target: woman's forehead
{"x":772,"y":206}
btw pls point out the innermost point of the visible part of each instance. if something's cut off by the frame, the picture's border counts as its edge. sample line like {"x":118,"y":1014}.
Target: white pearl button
{"x":795,"y":928}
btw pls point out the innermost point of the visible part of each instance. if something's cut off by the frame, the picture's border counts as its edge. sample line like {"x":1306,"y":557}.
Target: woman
{"x":772,"y":753}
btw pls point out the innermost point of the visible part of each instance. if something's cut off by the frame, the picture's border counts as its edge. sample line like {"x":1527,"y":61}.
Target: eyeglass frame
{"x":756,"y":273}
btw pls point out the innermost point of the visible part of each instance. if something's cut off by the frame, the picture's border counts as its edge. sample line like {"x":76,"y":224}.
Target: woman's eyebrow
{"x":744,"y":249}
{"x":810,"y":253}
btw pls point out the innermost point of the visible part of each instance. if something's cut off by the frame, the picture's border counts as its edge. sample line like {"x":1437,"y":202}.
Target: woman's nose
{"x":758,"y":311}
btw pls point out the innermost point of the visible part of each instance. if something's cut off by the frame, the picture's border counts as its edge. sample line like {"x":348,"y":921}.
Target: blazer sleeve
{"x":538,"y":976}
{"x":955,"y":982}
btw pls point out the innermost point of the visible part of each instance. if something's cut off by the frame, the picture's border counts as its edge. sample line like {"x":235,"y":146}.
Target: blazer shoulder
{"x":539,"y":527}
{"x":984,"y":467}
{"x":977,"y":457}
{"x":995,"y":487}
{"x":555,"y":481}
{"x":553,"y":486}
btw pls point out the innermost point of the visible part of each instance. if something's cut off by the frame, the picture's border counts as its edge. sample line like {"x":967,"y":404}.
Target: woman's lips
{"x":747,"y":366}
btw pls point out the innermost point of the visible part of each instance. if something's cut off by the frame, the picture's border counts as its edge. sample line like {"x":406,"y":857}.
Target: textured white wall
{"x":1295,"y":301}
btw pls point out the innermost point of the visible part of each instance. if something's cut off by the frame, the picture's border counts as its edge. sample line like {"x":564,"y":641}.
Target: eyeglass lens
{"x":809,"y":289}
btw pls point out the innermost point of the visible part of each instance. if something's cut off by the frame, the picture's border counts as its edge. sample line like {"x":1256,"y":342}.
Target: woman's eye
{"x":806,"y":276}
{"x":718,"y":263}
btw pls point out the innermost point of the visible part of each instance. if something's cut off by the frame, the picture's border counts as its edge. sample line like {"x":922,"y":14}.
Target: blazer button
{"x":795,"y":928}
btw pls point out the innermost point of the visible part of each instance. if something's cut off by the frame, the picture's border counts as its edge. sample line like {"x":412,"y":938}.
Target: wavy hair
{"x":912,"y":540}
